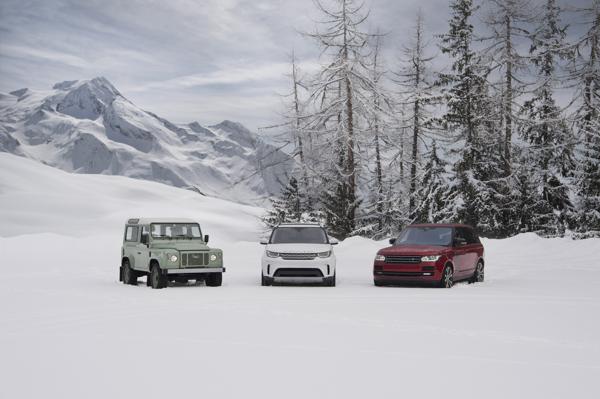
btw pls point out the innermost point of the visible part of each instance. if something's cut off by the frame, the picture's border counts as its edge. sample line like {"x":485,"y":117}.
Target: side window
{"x":131,"y":233}
{"x":469,"y":236}
{"x":459,"y":233}
{"x":472,"y":237}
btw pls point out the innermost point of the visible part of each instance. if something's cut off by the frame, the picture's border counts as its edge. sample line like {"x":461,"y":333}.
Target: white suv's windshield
{"x":299,"y":235}
{"x":425,"y":236}
{"x":171,"y":231}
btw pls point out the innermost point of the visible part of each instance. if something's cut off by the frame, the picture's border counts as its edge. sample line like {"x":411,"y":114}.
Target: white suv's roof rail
{"x":299,"y":225}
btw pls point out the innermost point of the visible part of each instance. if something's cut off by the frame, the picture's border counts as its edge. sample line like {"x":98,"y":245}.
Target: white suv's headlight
{"x":325,"y":254}
{"x":430,"y":258}
{"x":272,"y":254}
{"x":173,"y":258}
{"x":379,"y":258}
{"x":213,"y":257}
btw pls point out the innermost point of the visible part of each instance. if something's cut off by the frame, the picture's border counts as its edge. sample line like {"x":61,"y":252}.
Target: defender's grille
{"x":194,"y":259}
{"x":298,"y":256}
{"x":298,"y":273}
{"x":403,"y":259}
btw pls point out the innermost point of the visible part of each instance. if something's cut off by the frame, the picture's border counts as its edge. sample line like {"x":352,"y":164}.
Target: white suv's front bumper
{"x":298,"y":271}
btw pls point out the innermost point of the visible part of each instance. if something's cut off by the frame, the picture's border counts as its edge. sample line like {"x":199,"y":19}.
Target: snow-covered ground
{"x":69,"y":329}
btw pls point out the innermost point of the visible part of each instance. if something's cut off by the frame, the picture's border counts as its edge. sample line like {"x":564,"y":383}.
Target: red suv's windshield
{"x":425,"y":236}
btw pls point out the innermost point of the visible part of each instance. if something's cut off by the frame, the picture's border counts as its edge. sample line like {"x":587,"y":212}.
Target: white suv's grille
{"x":298,"y":256}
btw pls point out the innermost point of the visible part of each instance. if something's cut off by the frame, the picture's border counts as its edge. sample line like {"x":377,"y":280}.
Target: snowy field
{"x":69,"y":329}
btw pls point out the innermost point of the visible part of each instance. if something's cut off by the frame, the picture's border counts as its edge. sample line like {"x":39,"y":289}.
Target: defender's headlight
{"x":325,"y":254}
{"x":430,"y":258}
{"x":173,"y":258}
{"x":213,"y":257}
{"x":379,"y":258}
{"x":272,"y":254}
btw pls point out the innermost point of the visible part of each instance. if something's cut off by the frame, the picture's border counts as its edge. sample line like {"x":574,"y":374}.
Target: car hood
{"x":299,"y":248}
{"x":414,"y":250}
{"x":180,"y":245}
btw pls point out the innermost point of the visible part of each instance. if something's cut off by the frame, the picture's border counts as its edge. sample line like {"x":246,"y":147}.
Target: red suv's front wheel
{"x":447,"y":280}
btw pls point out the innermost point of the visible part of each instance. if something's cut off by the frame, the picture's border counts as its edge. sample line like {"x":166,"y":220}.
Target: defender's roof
{"x":159,"y":220}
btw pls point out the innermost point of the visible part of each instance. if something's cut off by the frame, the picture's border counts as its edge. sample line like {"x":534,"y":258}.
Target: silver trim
{"x":196,"y":270}
{"x":298,"y":279}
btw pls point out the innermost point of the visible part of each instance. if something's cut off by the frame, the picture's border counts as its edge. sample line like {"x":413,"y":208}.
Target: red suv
{"x":433,"y":253}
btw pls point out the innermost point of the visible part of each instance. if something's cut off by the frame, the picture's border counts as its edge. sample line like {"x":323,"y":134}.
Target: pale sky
{"x":185,"y":60}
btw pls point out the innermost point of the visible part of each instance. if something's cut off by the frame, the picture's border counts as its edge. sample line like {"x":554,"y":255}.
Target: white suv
{"x":298,"y":253}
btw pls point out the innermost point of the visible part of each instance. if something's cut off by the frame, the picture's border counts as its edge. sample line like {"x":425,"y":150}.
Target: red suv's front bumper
{"x":397,"y":273}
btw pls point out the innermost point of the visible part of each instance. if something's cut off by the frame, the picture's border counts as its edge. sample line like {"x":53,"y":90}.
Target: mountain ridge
{"x":88,"y":126}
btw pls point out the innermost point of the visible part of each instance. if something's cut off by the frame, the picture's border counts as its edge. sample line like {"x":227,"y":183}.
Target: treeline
{"x":484,"y":141}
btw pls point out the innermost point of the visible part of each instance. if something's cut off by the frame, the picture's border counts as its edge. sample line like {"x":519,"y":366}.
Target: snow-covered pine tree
{"x":417,"y":95}
{"x":479,"y":190}
{"x":288,"y":207}
{"x":585,"y":74}
{"x":434,"y":199}
{"x":507,"y":21}
{"x":341,"y":93}
{"x":549,"y":142}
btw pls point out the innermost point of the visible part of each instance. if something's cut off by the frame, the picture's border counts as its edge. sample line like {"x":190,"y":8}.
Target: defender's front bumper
{"x":195,"y":270}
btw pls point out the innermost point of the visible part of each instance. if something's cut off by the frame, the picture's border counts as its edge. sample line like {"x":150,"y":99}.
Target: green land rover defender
{"x":168,"y":250}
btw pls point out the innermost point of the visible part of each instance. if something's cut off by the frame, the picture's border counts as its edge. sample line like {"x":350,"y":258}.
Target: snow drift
{"x":530,"y":331}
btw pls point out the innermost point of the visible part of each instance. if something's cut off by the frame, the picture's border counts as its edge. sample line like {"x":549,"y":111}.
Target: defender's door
{"x":143,"y":250}
{"x":130,"y":243}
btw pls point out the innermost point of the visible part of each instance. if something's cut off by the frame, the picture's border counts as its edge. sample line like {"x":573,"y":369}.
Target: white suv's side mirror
{"x":333,"y":241}
{"x":264,"y":241}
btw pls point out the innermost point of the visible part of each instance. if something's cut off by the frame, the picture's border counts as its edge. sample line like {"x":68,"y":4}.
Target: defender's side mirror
{"x":459,"y":242}
{"x":206,"y":238}
{"x":392,"y":241}
{"x":145,"y":239}
{"x":333,"y":241}
{"x":264,"y":241}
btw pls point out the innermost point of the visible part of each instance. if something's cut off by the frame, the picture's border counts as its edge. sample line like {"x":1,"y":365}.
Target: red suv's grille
{"x":403,"y":259}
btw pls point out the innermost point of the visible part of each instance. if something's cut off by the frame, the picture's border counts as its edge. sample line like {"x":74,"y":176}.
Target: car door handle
{"x":139,"y":253}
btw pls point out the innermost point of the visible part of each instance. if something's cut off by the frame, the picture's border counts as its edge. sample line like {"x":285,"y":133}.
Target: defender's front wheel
{"x":214,"y":280}
{"x":157,"y":279}
{"x":129,"y":276}
{"x":447,"y":280}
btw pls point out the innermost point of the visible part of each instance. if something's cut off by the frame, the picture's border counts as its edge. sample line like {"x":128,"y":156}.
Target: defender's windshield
{"x":299,"y":235}
{"x":171,"y":231}
{"x":425,"y":236}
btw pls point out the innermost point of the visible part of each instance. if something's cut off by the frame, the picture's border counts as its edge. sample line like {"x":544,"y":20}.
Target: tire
{"x":129,"y":275}
{"x":214,"y":280}
{"x":332,"y":281}
{"x":479,"y":275}
{"x":447,"y":280}
{"x":264,"y":282}
{"x":157,"y":279}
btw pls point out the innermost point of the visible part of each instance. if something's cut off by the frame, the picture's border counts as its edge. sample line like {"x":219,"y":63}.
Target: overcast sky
{"x":186,"y":60}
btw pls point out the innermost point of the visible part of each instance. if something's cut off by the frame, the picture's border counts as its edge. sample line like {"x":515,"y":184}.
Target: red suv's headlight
{"x":379,"y":258}
{"x":430,"y":258}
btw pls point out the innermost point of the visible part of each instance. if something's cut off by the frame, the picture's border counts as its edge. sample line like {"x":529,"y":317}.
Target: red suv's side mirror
{"x":392,"y":241}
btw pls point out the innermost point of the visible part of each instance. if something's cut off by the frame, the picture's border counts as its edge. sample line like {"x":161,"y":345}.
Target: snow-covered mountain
{"x":90,"y":127}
